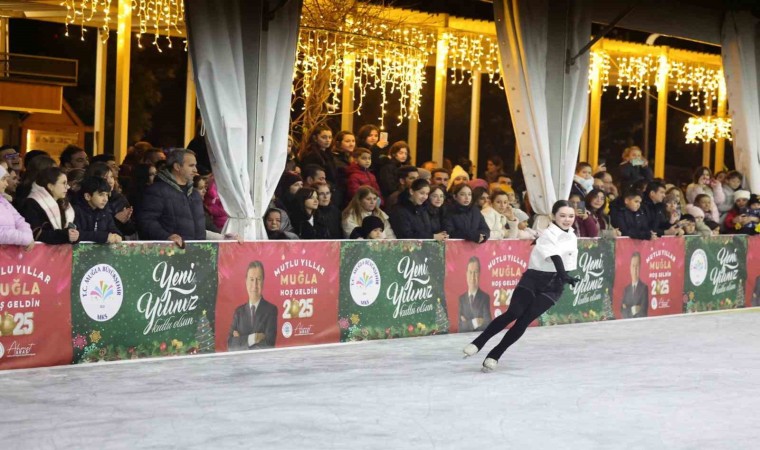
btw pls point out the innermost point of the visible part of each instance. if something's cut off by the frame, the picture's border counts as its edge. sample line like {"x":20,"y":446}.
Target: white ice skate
{"x":489,"y":365}
{"x":469,"y":350}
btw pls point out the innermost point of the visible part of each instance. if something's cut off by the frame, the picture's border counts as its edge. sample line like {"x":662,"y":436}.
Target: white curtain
{"x":243,"y":58}
{"x":548,"y":106}
{"x":739,"y":48}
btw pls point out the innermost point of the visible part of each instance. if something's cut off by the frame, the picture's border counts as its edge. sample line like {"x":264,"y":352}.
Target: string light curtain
{"x":637,"y":74}
{"x":162,"y":18}
{"x":389,"y":59}
{"x":468,"y":54}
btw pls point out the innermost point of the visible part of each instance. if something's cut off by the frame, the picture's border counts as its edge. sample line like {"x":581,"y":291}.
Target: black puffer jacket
{"x":465,"y":222}
{"x":168,"y":208}
{"x":330,"y":216}
{"x":93,"y":224}
{"x":410,"y":221}
{"x":632,"y":224}
{"x":436,"y":215}
{"x":306,"y":230}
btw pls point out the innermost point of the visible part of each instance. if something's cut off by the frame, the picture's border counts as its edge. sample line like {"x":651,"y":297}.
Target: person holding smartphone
{"x":634,"y":167}
{"x":584,"y":225}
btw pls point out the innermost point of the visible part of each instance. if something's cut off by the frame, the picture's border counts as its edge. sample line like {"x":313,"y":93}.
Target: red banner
{"x":649,"y":277}
{"x":480,"y":280}
{"x":752,"y":297}
{"x":300,"y":281}
{"x":35,"y":306}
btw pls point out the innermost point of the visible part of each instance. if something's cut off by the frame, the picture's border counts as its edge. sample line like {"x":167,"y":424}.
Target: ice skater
{"x":555,"y":252}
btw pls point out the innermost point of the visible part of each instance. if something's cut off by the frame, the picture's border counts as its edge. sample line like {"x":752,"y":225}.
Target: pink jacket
{"x":214,"y":205}
{"x":13,"y":228}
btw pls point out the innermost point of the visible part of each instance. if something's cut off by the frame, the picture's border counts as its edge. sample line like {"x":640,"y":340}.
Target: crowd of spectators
{"x":348,"y":187}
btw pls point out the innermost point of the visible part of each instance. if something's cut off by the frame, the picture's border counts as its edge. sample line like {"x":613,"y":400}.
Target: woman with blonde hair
{"x":364,"y":204}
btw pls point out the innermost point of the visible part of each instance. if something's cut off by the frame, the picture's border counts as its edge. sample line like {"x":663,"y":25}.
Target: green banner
{"x":591,"y":299}
{"x":716,"y":272}
{"x":391,"y":289}
{"x":142,"y":300}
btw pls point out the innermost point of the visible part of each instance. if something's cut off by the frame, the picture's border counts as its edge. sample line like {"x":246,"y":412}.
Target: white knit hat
{"x":741,"y":194}
{"x":3,"y":171}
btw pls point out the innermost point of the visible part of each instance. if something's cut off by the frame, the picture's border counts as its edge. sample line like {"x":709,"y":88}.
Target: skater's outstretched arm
{"x":563,"y":275}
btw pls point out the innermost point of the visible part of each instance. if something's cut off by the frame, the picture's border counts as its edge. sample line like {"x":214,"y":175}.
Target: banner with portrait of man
{"x":649,"y":279}
{"x":276,"y":294}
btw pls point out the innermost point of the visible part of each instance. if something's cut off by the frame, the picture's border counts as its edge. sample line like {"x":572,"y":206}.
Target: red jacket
{"x":357,"y":177}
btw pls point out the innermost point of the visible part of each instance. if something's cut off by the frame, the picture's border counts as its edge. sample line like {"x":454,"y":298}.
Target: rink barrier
{"x":89,"y":303}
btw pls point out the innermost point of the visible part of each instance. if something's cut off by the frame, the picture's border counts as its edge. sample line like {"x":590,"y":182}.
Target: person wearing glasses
{"x":10,"y":158}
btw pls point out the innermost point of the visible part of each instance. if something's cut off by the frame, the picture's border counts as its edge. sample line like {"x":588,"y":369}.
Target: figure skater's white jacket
{"x":554,"y":241}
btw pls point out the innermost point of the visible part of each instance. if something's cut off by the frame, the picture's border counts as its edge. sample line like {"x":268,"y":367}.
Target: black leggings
{"x":524,"y":308}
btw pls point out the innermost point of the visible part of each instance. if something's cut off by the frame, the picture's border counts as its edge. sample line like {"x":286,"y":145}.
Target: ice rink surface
{"x":685,"y":382}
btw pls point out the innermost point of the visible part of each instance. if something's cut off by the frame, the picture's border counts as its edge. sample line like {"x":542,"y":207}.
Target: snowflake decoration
{"x":79,"y":342}
{"x":343,"y":323}
{"x":95,"y":336}
{"x":355,"y":319}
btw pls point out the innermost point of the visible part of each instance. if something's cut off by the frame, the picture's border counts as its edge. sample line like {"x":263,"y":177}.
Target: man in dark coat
{"x":475,"y":304}
{"x":635,"y":295}
{"x":171,"y":209}
{"x":254,"y":323}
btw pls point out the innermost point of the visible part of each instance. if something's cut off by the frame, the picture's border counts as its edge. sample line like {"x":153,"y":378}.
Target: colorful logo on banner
{"x":752,"y":294}
{"x":481,"y":278}
{"x":365,"y":282}
{"x":591,"y":299}
{"x":717,"y":273}
{"x":298,"y":291}
{"x":35,"y":289}
{"x":101,"y":292}
{"x":151,"y":300}
{"x":410,"y":300}
{"x":650,"y":277}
